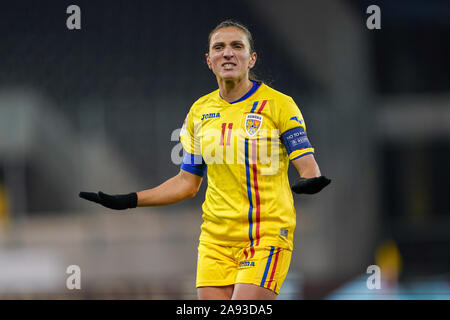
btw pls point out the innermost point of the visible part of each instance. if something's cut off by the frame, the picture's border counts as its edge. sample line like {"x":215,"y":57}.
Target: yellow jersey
{"x":243,"y":148}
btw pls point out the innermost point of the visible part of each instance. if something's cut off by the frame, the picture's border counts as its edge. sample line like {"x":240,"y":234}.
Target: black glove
{"x":311,"y":185}
{"x":117,"y":202}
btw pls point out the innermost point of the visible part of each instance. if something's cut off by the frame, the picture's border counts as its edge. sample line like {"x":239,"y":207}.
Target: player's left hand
{"x":310,"y":185}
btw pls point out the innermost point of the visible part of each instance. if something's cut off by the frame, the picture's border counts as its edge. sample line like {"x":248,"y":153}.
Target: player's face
{"x":229,"y":55}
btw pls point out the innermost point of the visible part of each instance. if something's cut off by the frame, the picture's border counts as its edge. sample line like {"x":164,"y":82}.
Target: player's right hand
{"x":117,"y":202}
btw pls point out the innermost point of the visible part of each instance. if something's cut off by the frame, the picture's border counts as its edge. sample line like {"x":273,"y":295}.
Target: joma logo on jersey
{"x":210,"y":115}
{"x":247,"y":264}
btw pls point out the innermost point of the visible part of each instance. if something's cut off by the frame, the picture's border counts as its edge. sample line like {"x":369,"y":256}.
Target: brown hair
{"x":232,"y":23}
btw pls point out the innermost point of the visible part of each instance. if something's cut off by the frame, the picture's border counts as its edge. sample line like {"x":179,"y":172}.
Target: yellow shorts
{"x":221,"y":266}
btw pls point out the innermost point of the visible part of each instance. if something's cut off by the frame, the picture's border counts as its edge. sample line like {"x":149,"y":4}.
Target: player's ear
{"x":253,"y":58}
{"x":208,"y":62}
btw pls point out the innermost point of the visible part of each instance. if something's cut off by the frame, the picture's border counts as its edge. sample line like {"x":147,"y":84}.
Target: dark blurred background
{"x":100,"y":109}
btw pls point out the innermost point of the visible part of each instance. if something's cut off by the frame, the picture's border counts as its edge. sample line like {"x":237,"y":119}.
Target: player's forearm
{"x":307,"y":166}
{"x":310,"y":171}
{"x":171,"y":191}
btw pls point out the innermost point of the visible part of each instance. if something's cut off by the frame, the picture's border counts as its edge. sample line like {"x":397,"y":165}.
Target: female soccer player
{"x":243,"y":134}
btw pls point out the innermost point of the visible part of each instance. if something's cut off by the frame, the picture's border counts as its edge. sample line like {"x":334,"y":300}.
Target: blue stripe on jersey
{"x":194,"y":164}
{"x":249,"y":192}
{"x":254,"y":106}
{"x":266,"y":271}
{"x":295,"y":139}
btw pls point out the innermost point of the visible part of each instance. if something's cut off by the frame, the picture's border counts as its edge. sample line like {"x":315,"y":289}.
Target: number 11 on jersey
{"x":224,"y":127}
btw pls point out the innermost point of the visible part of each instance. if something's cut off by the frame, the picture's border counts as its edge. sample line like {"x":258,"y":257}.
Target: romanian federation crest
{"x":253,"y":123}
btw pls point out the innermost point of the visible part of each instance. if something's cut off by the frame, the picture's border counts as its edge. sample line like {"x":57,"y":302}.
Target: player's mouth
{"x":228,"y":65}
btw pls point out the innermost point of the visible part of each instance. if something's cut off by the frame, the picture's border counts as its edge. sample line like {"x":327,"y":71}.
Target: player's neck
{"x":233,"y":90}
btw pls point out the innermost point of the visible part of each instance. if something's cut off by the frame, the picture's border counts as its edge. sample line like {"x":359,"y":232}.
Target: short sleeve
{"x":290,"y":116}
{"x":293,"y":130}
{"x":188,"y":138}
{"x":192,"y":161}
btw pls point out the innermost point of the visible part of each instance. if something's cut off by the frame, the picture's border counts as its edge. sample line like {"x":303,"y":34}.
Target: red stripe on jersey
{"x":255,"y":182}
{"x":262,"y":106}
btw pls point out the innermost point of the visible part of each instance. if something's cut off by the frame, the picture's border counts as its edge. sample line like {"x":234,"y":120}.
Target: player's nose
{"x":228,"y":52}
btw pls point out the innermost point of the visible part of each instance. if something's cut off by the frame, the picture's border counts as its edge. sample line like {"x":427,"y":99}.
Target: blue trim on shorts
{"x":269,"y":261}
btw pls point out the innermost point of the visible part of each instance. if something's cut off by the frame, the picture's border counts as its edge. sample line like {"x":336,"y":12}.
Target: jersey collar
{"x":253,"y":89}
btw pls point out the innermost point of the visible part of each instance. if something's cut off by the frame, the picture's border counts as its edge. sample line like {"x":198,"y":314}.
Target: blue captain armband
{"x":295,"y":139}
{"x":194,"y":164}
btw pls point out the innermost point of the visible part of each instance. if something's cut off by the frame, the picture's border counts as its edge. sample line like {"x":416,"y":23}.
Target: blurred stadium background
{"x":95,"y":109}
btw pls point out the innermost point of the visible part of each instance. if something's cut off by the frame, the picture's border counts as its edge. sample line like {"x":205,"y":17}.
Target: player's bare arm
{"x":178,"y":188}
{"x":310,"y":181}
{"x":307,"y":166}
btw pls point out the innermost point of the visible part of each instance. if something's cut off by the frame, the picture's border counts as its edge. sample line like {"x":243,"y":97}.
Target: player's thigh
{"x":215,"y":293}
{"x":247,"y":291}
{"x":216,"y":271}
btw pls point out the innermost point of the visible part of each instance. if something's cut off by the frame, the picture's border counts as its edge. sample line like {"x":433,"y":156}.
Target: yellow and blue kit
{"x":245,"y":147}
